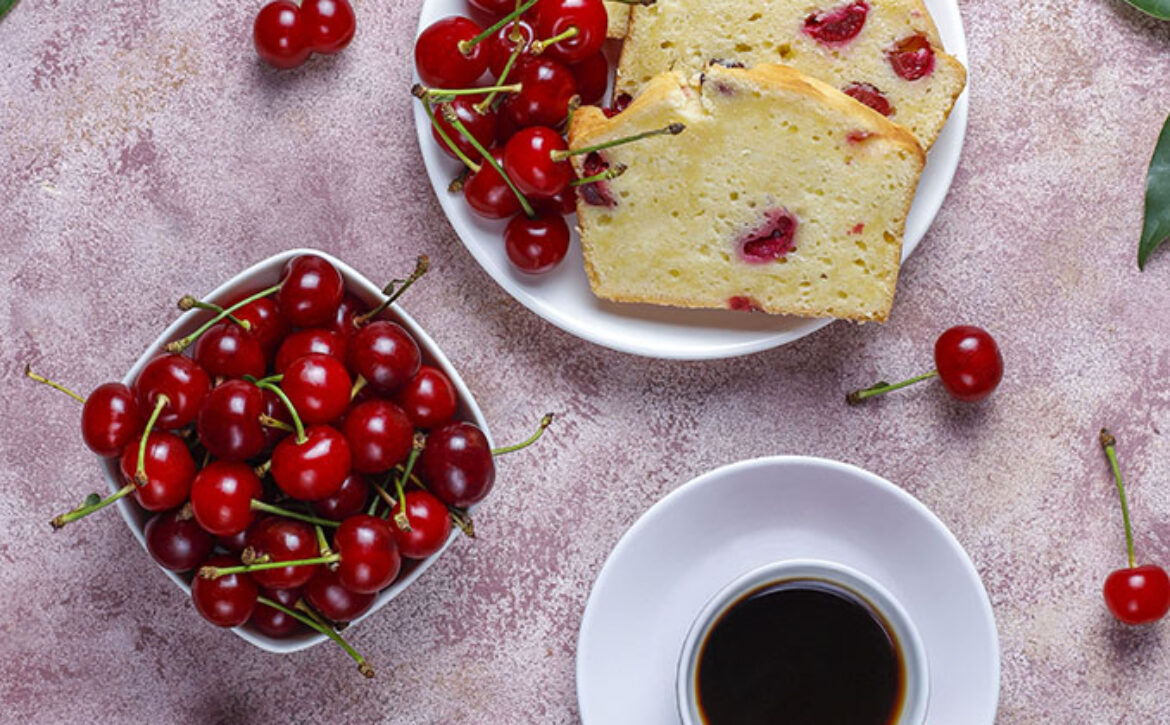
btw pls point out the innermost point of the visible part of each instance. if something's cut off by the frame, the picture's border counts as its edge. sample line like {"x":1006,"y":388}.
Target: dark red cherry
{"x":369,"y":554}
{"x":237,"y":542}
{"x":438,"y":59}
{"x":500,"y":46}
{"x":350,"y":499}
{"x":228,"y":351}
{"x":482,"y":126}
{"x":838,"y":25}
{"x":430,"y":525}
{"x":313,"y":469}
{"x":226,"y":601}
{"x":169,"y":471}
{"x":544,"y":101}
{"x":429,"y":399}
{"x":274,"y":407}
{"x":564,"y":203}
{"x":329,"y":24}
{"x":493,"y":7}
{"x":529,"y":163}
{"x":306,"y":342}
{"x":279,"y":34}
{"x":536,"y":245}
{"x":552,"y":18}
{"x":349,"y":308}
{"x":912,"y":58}
{"x":488,"y":194}
{"x":457,"y":464}
{"x":229,"y":421}
{"x":1139,"y":594}
{"x":181,"y":380}
{"x":282,"y":539}
{"x":592,"y":76}
{"x":109,"y":419}
{"x":266,"y":324}
{"x":379,"y":436}
{"x":870,"y":96}
{"x":221,"y":497}
{"x":385,"y":355}
{"x":332,"y":600}
{"x":318,"y":386}
{"x":176,"y":541}
{"x":273,"y":622}
{"x":310,"y":291}
{"x":596,"y":193}
{"x":968,"y":361}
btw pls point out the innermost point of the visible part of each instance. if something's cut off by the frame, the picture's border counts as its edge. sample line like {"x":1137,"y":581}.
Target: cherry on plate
{"x":536,"y":245}
{"x":440,"y":61}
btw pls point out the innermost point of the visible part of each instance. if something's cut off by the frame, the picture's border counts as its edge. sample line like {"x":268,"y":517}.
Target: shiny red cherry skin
{"x":486,"y":192}
{"x":350,"y":499}
{"x":528,"y":162}
{"x":221,"y":497}
{"x":273,"y":622}
{"x":457,"y":464}
{"x":329,"y":24}
{"x":349,"y":308}
{"x":176,"y":541}
{"x":169,"y":470}
{"x":969,"y":363}
{"x":592,"y":76}
{"x":379,"y":436}
{"x":226,"y":350}
{"x":229,"y":421}
{"x":500,"y":46}
{"x":237,"y":542}
{"x":283,"y":539}
{"x":871,"y":96}
{"x":179,"y":378}
{"x":1138,"y":595}
{"x":109,"y":419}
{"x":438,"y":59}
{"x":536,"y":245}
{"x":313,"y":469}
{"x":493,"y":7}
{"x":315,"y":340}
{"x":589,"y":17}
{"x":429,"y":399}
{"x":332,"y":600}
{"x":310,"y":291}
{"x":544,"y":100}
{"x":430,"y":525}
{"x":369,"y":554}
{"x":274,"y":407}
{"x":226,"y":601}
{"x":564,"y":203}
{"x":482,"y":126}
{"x":385,"y":355}
{"x":839,"y":25}
{"x":912,"y":58}
{"x":280,"y":36}
{"x":265,"y":323}
{"x":318,"y":387}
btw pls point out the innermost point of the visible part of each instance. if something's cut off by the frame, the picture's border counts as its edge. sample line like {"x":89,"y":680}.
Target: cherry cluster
{"x":309,"y":413}
{"x":286,"y":33}
{"x":546,"y":58}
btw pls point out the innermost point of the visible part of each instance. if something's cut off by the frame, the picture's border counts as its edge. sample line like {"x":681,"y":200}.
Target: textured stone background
{"x":145,"y":153}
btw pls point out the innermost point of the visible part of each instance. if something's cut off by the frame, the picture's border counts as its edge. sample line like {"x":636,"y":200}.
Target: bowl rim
{"x":361,"y":286}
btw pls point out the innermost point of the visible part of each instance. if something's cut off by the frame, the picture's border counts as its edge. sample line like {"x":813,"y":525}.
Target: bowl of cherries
{"x":293,"y":451}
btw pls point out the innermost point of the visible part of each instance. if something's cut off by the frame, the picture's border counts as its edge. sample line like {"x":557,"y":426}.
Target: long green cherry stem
{"x":188,"y":302}
{"x":92,"y":503}
{"x":401,"y":520}
{"x":55,"y":386}
{"x":444,"y":95}
{"x":482,"y":107}
{"x":857,"y":396}
{"x":278,"y":511}
{"x":454,"y":147}
{"x":465,"y":46}
{"x":183,"y":343}
{"x":269,"y":422}
{"x":1109,"y":443}
{"x":453,"y":120}
{"x":292,"y":411}
{"x":363,"y":666}
{"x":395,"y":289}
{"x":140,"y":469}
{"x":215,"y":572}
{"x":545,"y":422}
{"x":673,"y":129}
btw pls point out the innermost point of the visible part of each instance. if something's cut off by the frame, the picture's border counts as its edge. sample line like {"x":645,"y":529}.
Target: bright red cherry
{"x":385,"y":355}
{"x":329,"y":24}
{"x":369,"y":554}
{"x":349,"y":308}
{"x":501,"y":46}
{"x":227,"y":601}
{"x":229,"y":422}
{"x":912,"y":58}
{"x":439,"y":60}
{"x":273,"y":622}
{"x":488,"y":194}
{"x":280,"y":35}
{"x":265,"y":323}
{"x":544,"y":100}
{"x":592,"y":75}
{"x":536,"y":245}
{"x":109,"y":419}
{"x":314,"y":468}
{"x":870,"y":96}
{"x":457,"y":464}
{"x":482,"y":126}
{"x":332,"y":600}
{"x":969,"y":363}
{"x":283,"y":539}
{"x":181,"y":380}
{"x":318,"y":386}
{"x":305,"y":342}
{"x":557,"y":18}
{"x":379,"y":436}
{"x":221,"y":497}
{"x":310,"y":291}
{"x":430,"y":525}
{"x":176,"y":541}
{"x":228,"y":351}
{"x":429,"y":399}
{"x":350,"y":499}
{"x":529,"y":163}
{"x":169,"y":471}
{"x":839,"y":25}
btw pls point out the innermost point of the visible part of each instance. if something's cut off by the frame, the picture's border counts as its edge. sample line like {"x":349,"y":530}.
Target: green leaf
{"x":6,"y":5}
{"x":1158,"y":8}
{"x":1157,"y":226}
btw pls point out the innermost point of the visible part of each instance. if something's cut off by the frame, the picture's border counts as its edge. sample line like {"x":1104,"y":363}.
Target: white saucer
{"x":739,"y":517}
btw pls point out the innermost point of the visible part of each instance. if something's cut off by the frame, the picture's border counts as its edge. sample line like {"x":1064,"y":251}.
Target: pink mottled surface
{"x":145,"y":153}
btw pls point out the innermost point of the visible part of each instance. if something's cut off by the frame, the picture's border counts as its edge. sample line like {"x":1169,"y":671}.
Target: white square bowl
{"x":259,"y":276}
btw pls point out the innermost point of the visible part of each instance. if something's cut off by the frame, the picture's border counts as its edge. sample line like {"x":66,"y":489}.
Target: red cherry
{"x":870,"y":96}
{"x":221,"y":497}
{"x":1139,"y":594}
{"x":430,"y":525}
{"x":329,"y":24}
{"x":488,"y":194}
{"x":318,"y":386}
{"x":544,"y":100}
{"x":228,"y":351}
{"x":176,"y":541}
{"x":554,"y":17}
{"x":274,"y":407}
{"x":349,"y":308}
{"x":385,"y":355}
{"x":429,"y":399}
{"x":592,"y":75}
{"x":564,"y":203}
{"x":310,"y":291}
{"x":369,"y":554}
{"x":912,"y":58}
{"x":505,"y":130}
{"x":273,"y":622}
{"x":280,"y":35}
{"x":528,"y":162}
{"x":536,"y":245}
{"x":839,"y":25}
{"x":493,"y":7}
{"x":169,"y":471}
{"x":968,"y":362}
{"x":306,"y":342}
{"x":482,"y":126}
{"x":229,"y":422}
{"x":109,"y":419}
{"x":350,"y":499}
{"x":457,"y":464}
{"x":313,"y":469}
{"x":283,"y":539}
{"x":237,"y":542}
{"x":180,"y":379}
{"x":227,"y":601}
{"x":266,"y":324}
{"x":438,"y":59}
{"x":501,"y":46}
{"x":379,"y":436}
{"x":328,"y":596}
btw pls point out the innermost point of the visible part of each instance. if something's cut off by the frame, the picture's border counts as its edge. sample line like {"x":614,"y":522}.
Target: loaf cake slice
{"x":885,"y":53}
{"x":619,"y":19}
{"x":781,"y":195}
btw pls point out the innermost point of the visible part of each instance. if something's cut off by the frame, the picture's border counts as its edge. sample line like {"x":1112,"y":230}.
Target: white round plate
{"x":727,"y":522}
{"x":563,"y":297}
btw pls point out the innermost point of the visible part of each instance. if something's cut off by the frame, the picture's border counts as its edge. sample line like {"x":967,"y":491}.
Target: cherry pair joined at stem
{"x":285,"y":34}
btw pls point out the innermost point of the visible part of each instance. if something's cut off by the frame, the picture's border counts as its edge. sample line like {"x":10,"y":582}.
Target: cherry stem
{"x":395,"y":289}
{"x":183,"y":343}
{"x":857,"y":396}
{"x":322,"y":542}
{"x":215,"y":572}
{"x":635,"y":2}
{"x":462,"y":521}
{"x":574,"y":104}
{"x":445,"y":95}
{"x":539,"y":46}
{"x":278,"y":511}
{"x":545,"y":422}
{"x":187,"y":302}
{"x":483,"y":106}
{"x":1108,"y":442}
{"x":261,"y":471}
{"x":291,"y":409}
{"x":269,"y":422}
{"x":610,"y":173}
{"x":55,"y":386}
{"x":140,"y":470}
{"x":465,"y":46}
{"x":673,"y":129}
{"x":447,"y":140}
{"x":358,"y":384}
{"x":90,"y":506}
{"x":382,"y":496}
{"x":457,"y":183}
{"x":453,"y":119}
{"x":363,"y":666}
{"x":401,"y":520}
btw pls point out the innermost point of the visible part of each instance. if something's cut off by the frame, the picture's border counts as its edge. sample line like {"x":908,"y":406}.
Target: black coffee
{"x":800,"y":651}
